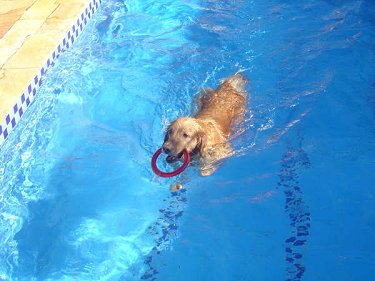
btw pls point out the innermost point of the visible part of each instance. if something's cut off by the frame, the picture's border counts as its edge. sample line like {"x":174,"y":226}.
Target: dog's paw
{"x":207,"y":171}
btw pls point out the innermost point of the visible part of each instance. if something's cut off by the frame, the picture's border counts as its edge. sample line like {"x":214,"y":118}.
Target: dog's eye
{"x":185,"y":135}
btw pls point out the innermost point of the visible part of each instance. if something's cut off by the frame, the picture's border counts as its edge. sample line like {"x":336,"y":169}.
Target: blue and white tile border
{"x":28,"y":95}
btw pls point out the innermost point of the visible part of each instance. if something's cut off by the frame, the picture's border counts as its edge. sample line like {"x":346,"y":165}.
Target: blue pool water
{"x":78,"y":199}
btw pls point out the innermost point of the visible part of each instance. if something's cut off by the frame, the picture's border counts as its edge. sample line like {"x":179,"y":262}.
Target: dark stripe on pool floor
{"x":298,"y":212}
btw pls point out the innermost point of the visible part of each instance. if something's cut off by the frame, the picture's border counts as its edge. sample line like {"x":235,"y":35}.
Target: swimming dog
{"x":207,"y":133}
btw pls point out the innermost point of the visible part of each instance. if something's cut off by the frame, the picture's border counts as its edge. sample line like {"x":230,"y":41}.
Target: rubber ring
{"x":169,"y":174}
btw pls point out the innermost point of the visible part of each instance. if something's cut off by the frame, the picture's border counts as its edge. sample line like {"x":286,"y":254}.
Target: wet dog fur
{"x":207,"y":133}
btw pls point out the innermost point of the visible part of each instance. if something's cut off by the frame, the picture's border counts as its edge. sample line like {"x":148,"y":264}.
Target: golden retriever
{"x":207,"y":133}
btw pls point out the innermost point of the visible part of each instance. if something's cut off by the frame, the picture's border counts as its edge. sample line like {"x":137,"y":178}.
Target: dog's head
{"x":183,"y":133}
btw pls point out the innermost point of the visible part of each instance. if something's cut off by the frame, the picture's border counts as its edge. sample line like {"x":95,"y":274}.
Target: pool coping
{"x":26,"y":98}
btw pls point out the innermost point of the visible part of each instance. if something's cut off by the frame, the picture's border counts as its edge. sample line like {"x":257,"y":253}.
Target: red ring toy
{"x":169,"y":174}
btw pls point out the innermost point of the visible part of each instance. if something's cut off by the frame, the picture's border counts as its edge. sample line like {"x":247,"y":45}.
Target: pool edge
{"x":26,"y":98}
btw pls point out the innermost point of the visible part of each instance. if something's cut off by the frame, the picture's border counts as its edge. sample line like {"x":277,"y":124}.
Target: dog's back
{"x":224,"y":104}
{"x":238,"y":83}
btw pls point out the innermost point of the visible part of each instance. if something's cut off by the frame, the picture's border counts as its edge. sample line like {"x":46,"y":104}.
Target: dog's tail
{"x":238,"y":82}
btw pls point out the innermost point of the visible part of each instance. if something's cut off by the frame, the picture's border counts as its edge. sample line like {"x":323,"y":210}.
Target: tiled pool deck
{"x":30,"y":32}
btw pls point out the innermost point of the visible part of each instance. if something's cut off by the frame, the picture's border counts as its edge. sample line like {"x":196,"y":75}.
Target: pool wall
{"x":16,"y":112}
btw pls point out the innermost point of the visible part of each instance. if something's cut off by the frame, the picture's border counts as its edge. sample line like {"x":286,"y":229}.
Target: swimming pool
{"x":78,"y":200}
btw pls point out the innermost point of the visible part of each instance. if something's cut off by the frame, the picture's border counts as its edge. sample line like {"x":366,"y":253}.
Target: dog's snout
{"x":166,"y":149}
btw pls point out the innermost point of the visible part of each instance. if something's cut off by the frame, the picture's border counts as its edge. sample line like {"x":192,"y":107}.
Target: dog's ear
{"x":202,"y":141}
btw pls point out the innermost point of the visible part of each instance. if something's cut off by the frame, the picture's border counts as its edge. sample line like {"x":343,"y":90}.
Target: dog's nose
{"x":166,"y":150}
